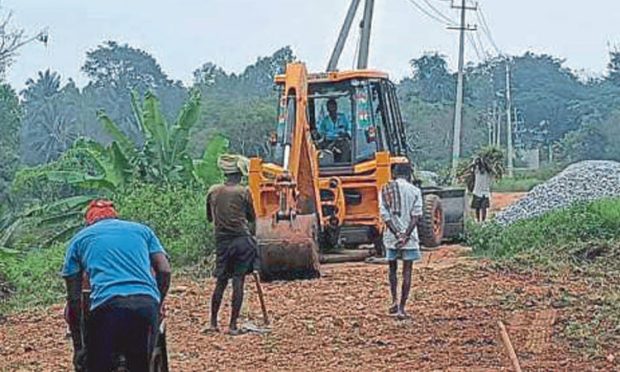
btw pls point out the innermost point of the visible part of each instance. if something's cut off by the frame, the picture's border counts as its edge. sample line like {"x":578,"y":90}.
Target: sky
{"x":184,"y":34}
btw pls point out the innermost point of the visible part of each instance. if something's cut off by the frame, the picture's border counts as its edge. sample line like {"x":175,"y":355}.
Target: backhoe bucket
{"x":288,"y":250}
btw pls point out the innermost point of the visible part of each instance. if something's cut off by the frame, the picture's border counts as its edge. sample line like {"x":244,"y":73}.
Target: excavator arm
{"x":286,"y":196}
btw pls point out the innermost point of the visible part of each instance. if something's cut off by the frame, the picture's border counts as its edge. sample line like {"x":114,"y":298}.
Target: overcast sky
{"x":184,"y":34}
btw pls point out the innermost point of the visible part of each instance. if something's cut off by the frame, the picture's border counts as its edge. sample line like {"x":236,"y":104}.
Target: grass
{"x":35,"y":276}
{"x":583,"y":242}
{"x":524,"y":180}
{"x":516,"y":185}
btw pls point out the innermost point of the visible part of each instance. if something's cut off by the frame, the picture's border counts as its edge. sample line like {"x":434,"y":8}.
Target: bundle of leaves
{"x":491,"y":160}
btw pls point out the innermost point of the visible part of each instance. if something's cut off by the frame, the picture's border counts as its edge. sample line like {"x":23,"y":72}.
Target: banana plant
{"x":56,"y":221}
{"x":205,"y":169}
{"x":164,"y":156}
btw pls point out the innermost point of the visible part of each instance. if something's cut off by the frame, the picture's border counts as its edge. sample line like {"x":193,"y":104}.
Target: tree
{"x":209,"y":75}
{"x":596,"y":139}
{"x":115,"y":70}
{"x":10,"y":115}
{"x":163,"y":158}
{"x":259,"y":76}
{"x":431,"y":80}
{"x":13,"y":39}
{"x":614,"y":66}
{"x":49,"y":125}
{"x":241,"y":107}
{"x":123,"y":67}
{"x":544,"y":90}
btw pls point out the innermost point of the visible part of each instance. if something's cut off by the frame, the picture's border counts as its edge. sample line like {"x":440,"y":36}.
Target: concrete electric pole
{"x":509,"y":152}
{"x":458,"y":110}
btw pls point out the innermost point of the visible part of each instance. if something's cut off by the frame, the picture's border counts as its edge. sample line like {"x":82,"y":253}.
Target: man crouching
{"x":129,"y":277}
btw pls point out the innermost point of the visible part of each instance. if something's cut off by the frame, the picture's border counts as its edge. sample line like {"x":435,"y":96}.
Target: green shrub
{"x":35,"y":277}
{"x":177,"y":214}
{"x":544,"y":235}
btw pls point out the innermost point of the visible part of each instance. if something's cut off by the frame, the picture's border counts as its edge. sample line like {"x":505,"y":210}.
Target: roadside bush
{"x":543,"y":236}
{"x":35,"y":277}
{"x":177,"y":214}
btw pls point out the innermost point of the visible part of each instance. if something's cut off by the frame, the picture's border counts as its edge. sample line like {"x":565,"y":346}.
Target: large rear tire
{"x":432,"y":224}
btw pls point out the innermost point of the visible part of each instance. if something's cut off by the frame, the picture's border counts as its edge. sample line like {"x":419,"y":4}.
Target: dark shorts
{"x":122,"y":326}
{"x":480,"y":202}
{"x":235,"y":257}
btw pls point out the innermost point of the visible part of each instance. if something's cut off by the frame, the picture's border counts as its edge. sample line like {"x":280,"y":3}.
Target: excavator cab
{"x":348,"y":122}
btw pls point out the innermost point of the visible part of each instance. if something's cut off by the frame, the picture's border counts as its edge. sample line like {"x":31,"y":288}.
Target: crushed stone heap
{"x":584,"y":181}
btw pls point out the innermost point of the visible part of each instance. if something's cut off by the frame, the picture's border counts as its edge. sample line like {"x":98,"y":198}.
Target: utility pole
{"x":362,"y":61}
{"x":458,"y":110}
{"x":490,"y":125}
{"x":342,"y":36}
{"x":509,"y":153}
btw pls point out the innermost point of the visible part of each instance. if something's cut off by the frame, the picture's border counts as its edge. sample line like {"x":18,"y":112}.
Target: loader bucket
{"x":288,"y":250}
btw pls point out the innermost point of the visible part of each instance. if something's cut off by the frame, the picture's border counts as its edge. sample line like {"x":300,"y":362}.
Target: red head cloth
{"x":99,"y":210}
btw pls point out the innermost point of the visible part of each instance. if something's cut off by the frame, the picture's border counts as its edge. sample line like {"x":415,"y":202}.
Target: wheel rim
{"x":437,"y":223}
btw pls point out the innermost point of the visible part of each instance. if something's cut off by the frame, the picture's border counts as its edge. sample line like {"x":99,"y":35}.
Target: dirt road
{"x":340,"y":322}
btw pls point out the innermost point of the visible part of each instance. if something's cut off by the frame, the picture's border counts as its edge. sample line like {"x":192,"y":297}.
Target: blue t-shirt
{"x":331,"y":130}
{"x":116,"y":256}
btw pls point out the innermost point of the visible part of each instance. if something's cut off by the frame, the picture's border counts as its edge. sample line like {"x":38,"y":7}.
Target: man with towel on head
{"x":231,"y":210}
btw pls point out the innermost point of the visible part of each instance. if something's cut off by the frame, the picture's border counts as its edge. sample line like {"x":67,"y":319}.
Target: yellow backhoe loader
{"x":338,"y":134}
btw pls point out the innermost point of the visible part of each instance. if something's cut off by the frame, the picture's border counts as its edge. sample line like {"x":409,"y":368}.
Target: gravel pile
{"x":584,"y":181}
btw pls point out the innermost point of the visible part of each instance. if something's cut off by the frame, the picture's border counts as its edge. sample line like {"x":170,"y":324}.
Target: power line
{"x":475,"y":46}
{"x":484,"y":50}
{"x":439,"y":13}
{"x":486,"y":29}
{"x":427,"y":13}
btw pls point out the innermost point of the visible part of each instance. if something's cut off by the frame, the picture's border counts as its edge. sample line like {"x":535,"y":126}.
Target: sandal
{"x":237,"y":332}
{"x":402,"y":315}
{"x":393,"y":310}
{"x":210,"y":330}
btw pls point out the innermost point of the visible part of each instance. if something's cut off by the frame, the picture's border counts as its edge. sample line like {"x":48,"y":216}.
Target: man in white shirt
{"x":401,"y":209}
{"x":482,"y":190}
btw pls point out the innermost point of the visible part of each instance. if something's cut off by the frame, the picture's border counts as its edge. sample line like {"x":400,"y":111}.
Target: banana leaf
{"x":126,"y":144}
{"x":206,"y":169}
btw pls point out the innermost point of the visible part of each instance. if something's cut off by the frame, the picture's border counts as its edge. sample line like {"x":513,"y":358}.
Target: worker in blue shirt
{"x":129,"y":276}
{"x":335,"y":129}
{"x":335,"y":124}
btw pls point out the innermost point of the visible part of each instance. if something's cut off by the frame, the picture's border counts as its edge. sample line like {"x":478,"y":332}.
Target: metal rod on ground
{"x":508,"y":345}
{"x":261,"y":298}
{"x":430,"y":257}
